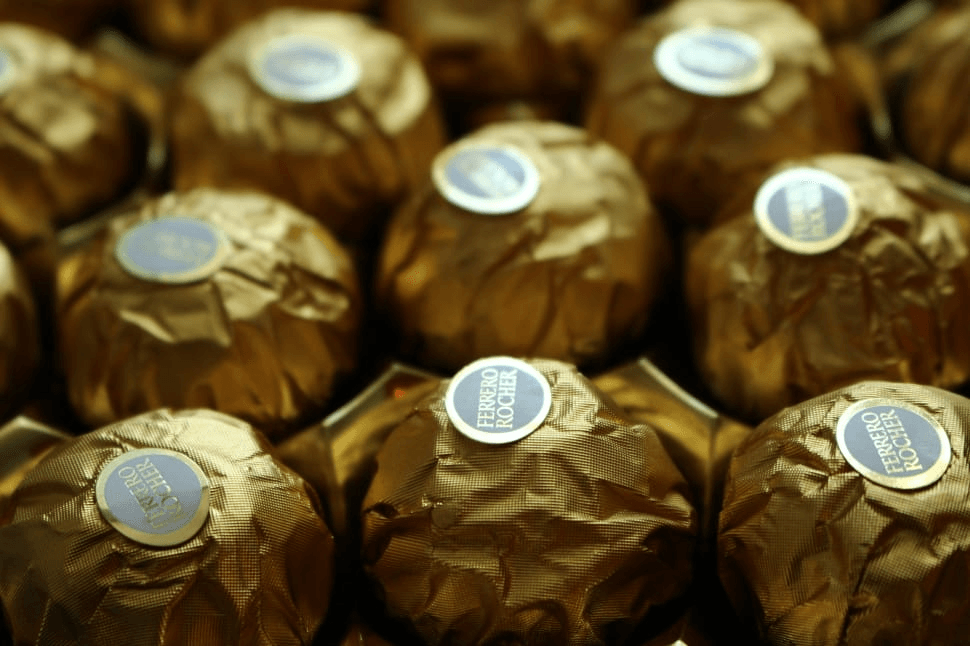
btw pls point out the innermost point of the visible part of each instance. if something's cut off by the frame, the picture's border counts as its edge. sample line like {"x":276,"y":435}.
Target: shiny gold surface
{"x":346,"y":161}
{"x":258,"y":572}
{"x":816,"y":554}
{"x":695,"y":152}
{"x":264,"y":338}
{"x":568,"y":536}
{"x":774,"y":328}
{"x":571,"y":276}
{"x":23,"y":444}
{"x":19,"y":335}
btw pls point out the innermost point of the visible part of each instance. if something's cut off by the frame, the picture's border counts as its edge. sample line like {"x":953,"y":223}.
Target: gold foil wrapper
{"x":19,"y":335}
{"x":841,"y":17}
{"x":696,"y":152}
{"x":567,"y":536}
{"x":509,"y":48}
{"x":571,"y":276}
{"x":346,"y":161}
{"x":816,"y":554}
{"x":23,"y":444}
{"x":773,"y":328}
{"x":188,"y":29}
{"x":264,"y":338}
{"x":257,"y":572}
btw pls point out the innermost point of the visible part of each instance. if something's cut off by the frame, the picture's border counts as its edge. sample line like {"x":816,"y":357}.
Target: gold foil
{"x":345,"y":161}
{"x":571,"y":276}
{"x":19,"y":335}
{"x":361,"y":635}
{"x":816,"y":554}
{"x":264,"y":338}
{"x":773,"y":328}
{"x":695,"y":152}
{"x":23,"y":444}
{"x":188,"y":29}
{"x":840,"y":17}
{"x":258,"y":572}
{"x":509,"y":48}
{"x":568,"y":536}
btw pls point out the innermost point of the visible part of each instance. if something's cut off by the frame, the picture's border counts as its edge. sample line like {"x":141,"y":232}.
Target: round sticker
{"x":498,"y":400}
{"x":304,"y":69}
{"x":713,"y":61}
{"x":486,"y":179}
{"x":154,"y":496}
{"x":806,"y":210}
{"x":172,"y":250}
{"x":893,"y":443}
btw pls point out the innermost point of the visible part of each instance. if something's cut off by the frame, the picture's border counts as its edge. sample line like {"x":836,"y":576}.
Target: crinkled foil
{"x":23,"y":444}
{"x":695,"y":152}
{"x":257,"y":572}
{"x":568,"y":536}
{"x":927,"y":73}
{"x":19,"y":335}
{"x":509,"y":48}
{"x":571,"y":276}
{"x":263,"y":338}
{"x":187,"y":29}
{"x":70,"y":18}
{"x":816,"y":554}
{"x":346,"y":161}
{"x":773,"y":328}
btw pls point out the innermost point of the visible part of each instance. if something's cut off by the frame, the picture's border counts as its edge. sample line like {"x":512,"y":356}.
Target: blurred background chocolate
{"x":70,"y":18}
{"x":841,"y":17}
{"x":530,"y":239}
{"x":706,"y":95}
{"x":495,"y":513}
{"x":846,"y":521}
{"x":20,"y":352}
{"x":840,"y":268}
{"x":231,"y":301}
{"x":168,"y":528}
{"x":319,"y":108}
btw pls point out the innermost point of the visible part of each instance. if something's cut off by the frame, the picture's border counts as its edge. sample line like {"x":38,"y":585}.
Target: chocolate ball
{"x":706,"y":95}
{"x":846,"y":519}
{"x":531,"y":239}
{"x":516,"y":503}
{"x":840,"y":268}
{"x":167,"y":528}
{"x":231,"y":301}
{"x":319,"y":108}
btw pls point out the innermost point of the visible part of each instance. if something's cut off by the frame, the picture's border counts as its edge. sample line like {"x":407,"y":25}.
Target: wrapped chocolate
{"x":531,"y":239}
{"x":841,"y":17}
{"x":840,"y":268}
{"x":24,"y":442}
{"x":707,"y":95}
{"x":517,"y":504}
{"x":319,"y":108}
{"x":231,"y":301}
{"x":168,"y":528}
{"x":187,"y":29}
{"x":846,"y":521}
{"x":19,"y":335}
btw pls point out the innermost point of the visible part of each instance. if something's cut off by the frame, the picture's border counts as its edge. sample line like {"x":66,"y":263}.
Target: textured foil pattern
{"x":816,"y":554}
{"x":695,"y":152}
{"x":24,"y":442}
{"x":568,"y":536}
{"x":773,"y":328}
{"x":509,"y":48}
{"x":346,"y":161}
{"x":258,"y":572}
{"x":19,"y":335}
{"x":571,"y":276}
{"x":264,"y":338}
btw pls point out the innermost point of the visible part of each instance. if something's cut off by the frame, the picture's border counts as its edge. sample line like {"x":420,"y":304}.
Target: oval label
{"x":713,"y":61}
{"x":893,"y":443}
{"x":172,"y":250}
{"x":486,"y":179}
{"x":806,"y":210}
{"x":498,"y":400}
{"x":154,"y":496}
{"x":304,"y":69}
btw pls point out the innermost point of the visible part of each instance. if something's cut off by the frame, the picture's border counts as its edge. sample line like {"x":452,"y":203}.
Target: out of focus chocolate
{"x":509,"y":48}
{"x":927,"y":75}
{"x":531,"y":239}
{"x":168,"y":528}
{"x":517,"y":504}
{"x":319,"y":108}
{"x":840,"y":268}
{"x":841,"y":17}
{"x":19,"y":335}
{"x":231,"y":301}
{"x":188,"y":29}
{"x":846,"y":521}
{"x":707,"y":95}
{"x":70,"y":18}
